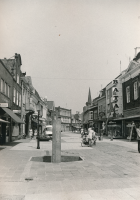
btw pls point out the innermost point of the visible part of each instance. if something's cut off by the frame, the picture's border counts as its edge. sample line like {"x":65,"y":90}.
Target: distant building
{"x":65,"y":115}
{"x":51,"y":112}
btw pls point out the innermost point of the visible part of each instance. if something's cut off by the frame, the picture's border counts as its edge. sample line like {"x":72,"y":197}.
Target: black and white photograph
{"x":69,"y":100}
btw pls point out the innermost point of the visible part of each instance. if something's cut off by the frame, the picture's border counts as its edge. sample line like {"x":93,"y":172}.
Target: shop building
{"x":65,"y":115}
{"x":131,"y":96}
{"x":11,"y":94}
{"x":114,"y":108}
{"x":102,"y":110}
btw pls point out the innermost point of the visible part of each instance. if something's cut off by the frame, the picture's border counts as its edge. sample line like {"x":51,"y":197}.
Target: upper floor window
{"x":8,"y":90}
{"x":91,"y":114}
{"x":128,"y":94}
{"x":17,"y":97}
{"x":2,"y":85}
{"x":14,"y":95}
{"x":101,"y":108}
{"x":5,"y":89}
{"x":108,"y":94}
{"x":135,"y":90}
{"x":18,"y":78}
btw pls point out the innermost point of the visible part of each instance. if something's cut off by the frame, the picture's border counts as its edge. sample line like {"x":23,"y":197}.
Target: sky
{"x":67,"y":46}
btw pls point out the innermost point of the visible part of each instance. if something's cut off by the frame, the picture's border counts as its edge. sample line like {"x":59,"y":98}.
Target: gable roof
{"x":9,"y":64}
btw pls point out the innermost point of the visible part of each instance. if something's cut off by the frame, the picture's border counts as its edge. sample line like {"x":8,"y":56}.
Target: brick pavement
{"x":110,"y":170}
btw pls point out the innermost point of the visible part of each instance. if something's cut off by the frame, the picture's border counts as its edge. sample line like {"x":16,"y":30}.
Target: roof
{"x":9,"y":64}
{"x":132,"y":65}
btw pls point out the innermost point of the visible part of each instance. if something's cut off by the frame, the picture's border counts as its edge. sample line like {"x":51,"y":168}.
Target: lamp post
{"x":38,"y":110}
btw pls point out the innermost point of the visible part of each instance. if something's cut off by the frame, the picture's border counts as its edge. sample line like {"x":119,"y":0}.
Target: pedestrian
{"x":138,"y":137}
{"x":90,"y":133}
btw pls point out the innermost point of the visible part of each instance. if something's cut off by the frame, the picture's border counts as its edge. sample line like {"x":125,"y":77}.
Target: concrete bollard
{"x":56,"y":141}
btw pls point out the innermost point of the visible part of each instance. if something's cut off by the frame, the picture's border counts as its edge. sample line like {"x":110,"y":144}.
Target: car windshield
{"x":49,"y":129}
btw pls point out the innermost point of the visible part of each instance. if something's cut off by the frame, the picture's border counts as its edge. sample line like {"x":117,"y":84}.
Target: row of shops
{"x":119,"y":128}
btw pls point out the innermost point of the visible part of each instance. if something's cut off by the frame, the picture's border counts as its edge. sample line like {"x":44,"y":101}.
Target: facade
{"x":11,"y":94}
{"x":114,"y":107}
{"x":131,"y":96}
{"x":65,"y":115}
{"x":50,"y":112}
{"x":76,"y":121}
{"x":20,"y":103}
{"x":6,"y":89}
{"x":101,"y":109}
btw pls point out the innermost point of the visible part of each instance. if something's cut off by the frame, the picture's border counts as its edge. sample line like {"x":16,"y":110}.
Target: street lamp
{"x":38,"y":110}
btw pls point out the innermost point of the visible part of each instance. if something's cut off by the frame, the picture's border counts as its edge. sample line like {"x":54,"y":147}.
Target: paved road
{"x":109,"y":171}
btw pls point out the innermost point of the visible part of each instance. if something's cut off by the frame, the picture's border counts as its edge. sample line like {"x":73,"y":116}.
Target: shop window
{"x":135,"y":90}
{"x":128,"y":94}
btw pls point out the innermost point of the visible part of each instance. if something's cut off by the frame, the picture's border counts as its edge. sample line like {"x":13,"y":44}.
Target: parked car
{"x":48,"y":131}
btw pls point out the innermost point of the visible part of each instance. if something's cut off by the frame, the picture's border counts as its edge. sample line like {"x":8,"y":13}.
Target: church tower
{"x":89,"y":98}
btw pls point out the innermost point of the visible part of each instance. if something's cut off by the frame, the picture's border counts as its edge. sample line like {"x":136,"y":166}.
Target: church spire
{"x":89,"y":97}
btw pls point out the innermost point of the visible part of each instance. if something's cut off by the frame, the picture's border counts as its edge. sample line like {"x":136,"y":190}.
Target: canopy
{"x":3,"y":121}
{"x":13,"y":116}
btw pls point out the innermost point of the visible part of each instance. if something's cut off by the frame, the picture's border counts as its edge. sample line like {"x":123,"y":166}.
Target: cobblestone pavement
{"x":109,"y":171}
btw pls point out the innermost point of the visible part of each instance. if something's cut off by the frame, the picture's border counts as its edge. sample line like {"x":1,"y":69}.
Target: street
{"x":108,"y":171}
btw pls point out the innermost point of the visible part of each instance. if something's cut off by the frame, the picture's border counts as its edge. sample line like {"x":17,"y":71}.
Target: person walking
{"x":138,"y":137}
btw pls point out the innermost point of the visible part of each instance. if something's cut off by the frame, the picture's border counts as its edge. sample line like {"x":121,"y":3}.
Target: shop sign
{"x":3,"y":105}
{"x":17,"y":111}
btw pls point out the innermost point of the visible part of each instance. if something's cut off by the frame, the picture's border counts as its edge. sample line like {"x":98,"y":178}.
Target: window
{"x":107,"y":94}
{"x":128,"y":94}
{"x":135,"y":90}
{"x":108,"y":107}
{"x":14,"y":95}
{"x":91,"y":115}
{"x":101,"y":108}
{"x":17,"y":97}
{"x":8,"y":90}
{"x":18,"y":78}
{"x":2,"y":85}
{"x":5,"y":89}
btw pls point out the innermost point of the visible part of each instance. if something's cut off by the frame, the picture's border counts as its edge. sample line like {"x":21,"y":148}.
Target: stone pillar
{"x":56,"y":141}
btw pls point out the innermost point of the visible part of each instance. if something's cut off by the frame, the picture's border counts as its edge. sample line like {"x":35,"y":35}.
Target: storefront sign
{"x":3,"y":105}
{"x":17,"y":111}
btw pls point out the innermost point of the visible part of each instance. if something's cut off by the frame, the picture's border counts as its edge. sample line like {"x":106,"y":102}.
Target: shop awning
{"x":3,"y":121}
{"x":130,"y":117}
{"x":13,"y":116}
